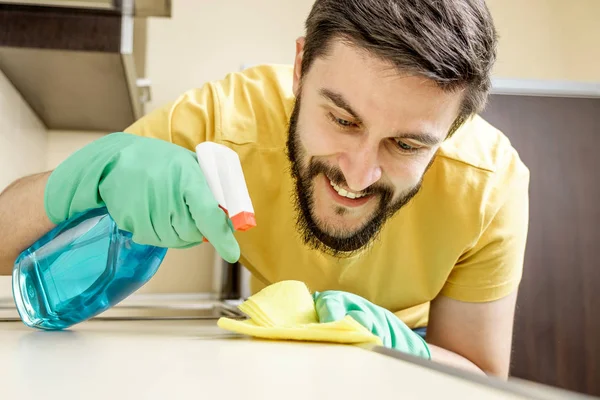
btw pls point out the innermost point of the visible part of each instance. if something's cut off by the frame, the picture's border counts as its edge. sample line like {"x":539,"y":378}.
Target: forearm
{"x":23,"y":218}
{"x":443,"y":356}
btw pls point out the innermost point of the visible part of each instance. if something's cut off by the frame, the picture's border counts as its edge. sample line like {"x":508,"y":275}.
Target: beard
{"x":314,"y":233}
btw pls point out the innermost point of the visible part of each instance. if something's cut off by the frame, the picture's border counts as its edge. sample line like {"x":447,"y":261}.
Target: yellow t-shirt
{"x":462,"y":236}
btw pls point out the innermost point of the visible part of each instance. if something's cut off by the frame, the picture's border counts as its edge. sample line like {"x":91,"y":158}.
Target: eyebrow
{"x":339,"y":101}
{"x":425,"y":138}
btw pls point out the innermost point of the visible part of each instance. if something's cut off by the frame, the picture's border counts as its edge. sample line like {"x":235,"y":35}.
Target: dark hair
{"x":452,"y":42}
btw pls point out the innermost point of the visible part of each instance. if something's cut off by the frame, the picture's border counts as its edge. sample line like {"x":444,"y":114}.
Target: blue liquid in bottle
{"x":81,"y":268}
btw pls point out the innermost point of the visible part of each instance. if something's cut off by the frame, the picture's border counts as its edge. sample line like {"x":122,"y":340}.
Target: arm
{"x":471,"y":320}
{"x":22,"y":218}
{"x":472,"y":336}
{"x":475,"y":337}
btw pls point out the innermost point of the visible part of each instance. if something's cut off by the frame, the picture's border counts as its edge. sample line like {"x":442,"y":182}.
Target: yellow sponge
{"x":286,"y":311}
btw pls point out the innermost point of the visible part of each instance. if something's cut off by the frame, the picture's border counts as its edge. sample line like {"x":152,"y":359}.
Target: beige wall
{"x":207,"y":39}
{"x":22,"y":136}
{"x":548,"y":39}
{"x":22,"y":145}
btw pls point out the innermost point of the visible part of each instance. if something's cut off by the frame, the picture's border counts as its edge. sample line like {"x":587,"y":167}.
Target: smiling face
{"x":361,"y":137}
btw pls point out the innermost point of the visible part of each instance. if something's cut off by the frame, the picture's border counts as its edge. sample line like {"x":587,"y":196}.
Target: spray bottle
{"x":86,"y":265}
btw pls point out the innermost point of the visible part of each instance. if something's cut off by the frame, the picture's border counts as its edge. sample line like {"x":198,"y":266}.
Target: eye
{"x":405,"y":147}
{"x":342,"y":123}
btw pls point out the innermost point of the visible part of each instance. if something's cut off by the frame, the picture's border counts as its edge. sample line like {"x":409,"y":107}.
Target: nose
{"x":360,"y":167}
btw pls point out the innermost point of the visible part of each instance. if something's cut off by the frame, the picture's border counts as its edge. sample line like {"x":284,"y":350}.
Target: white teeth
{"x":344,"y":192}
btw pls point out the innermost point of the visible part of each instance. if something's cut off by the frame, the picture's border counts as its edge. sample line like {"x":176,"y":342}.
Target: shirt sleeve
{"x":189,"y":120}
{"x":493,"y":268}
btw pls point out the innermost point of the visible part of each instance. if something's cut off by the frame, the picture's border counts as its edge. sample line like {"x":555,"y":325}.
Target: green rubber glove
{"x":152,"y":188}
{"x":333,"y":305}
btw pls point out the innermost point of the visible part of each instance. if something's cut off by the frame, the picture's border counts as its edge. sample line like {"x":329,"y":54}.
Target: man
{"x":373,"y":179}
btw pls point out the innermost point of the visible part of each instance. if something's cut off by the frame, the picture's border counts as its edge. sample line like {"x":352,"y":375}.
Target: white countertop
{"x":195,"y":359}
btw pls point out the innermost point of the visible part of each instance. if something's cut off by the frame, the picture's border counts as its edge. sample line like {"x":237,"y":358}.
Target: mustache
{"x":336,"y":176}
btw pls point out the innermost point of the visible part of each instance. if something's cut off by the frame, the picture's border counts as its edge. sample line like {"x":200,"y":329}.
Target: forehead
{"x":382,"y":94}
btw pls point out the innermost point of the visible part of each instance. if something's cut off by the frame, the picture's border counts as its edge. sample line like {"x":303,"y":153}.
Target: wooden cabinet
{"x":79,"y":68}
{"x":557,"y":328}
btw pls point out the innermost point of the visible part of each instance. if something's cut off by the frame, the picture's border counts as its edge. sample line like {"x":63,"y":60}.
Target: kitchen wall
{"x":23,"y":138}
{"x":548,"y":39}
{"x":23,"y":143}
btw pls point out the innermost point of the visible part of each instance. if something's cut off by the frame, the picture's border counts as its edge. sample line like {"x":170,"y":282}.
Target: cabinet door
{"x":557,"y":327}
{"x":78,"y":69}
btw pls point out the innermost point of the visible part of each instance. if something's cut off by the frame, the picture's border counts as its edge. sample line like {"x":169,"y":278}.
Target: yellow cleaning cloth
{"x":286,"y":311}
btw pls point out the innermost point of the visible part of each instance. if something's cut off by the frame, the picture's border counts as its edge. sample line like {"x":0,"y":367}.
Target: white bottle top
{"x":223,"y":171}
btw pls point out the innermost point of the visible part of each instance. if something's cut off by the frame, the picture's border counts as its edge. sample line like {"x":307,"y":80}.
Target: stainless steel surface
{"x":154,"y":307}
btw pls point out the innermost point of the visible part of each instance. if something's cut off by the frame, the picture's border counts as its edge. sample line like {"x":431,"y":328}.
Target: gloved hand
{"x":333,"y":305}
{"x":152,"y":188}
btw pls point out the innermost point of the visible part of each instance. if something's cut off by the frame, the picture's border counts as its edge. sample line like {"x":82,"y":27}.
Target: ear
{"x":298,"y":64}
